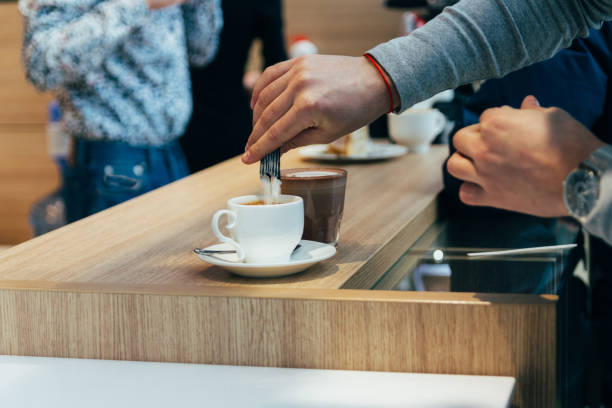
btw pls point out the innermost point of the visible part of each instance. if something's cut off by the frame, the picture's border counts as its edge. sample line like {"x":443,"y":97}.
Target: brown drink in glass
{"x":322,"y":190}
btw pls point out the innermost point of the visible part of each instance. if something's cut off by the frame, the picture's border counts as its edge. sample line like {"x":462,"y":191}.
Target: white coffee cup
{"x":416,"y":128}
{"x":262,"y":234}
{"x":444,"y":96}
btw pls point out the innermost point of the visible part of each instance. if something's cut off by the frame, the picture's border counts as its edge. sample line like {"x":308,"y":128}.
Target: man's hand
{"x":517,"y":159}
{"x":313,"y":99}
{"x":157,"y":4}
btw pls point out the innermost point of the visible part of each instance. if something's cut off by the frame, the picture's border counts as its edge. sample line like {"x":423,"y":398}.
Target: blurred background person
{"x":222,"y":119}
{"x":120,"y":72}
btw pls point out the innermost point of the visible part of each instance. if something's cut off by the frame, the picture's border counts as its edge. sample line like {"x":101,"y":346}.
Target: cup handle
{"x":232,"y":223}
{"x":440,"y":122}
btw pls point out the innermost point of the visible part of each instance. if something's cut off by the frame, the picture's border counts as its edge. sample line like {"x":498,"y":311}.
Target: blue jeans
{"x":104,"y":174}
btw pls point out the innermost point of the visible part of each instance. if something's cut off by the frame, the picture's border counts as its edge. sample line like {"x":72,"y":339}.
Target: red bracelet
{"x":382,"y":74}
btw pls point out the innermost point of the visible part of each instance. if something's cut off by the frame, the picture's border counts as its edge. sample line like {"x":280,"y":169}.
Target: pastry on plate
{"x":353,"y":144}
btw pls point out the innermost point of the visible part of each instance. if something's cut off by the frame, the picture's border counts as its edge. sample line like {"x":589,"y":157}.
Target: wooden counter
{"x":124,"y":284}
{"x":149,"y":241}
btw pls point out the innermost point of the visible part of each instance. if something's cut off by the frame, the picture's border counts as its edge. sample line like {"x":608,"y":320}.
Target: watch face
{"x":581,"y":192}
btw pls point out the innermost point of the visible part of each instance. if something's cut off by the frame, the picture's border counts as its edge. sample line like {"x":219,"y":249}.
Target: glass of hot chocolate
{"x":322,"y":190}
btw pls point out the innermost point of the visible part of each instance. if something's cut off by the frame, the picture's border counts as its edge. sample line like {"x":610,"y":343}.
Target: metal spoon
{"x":521,"y":251}
{"x":201,"y":251}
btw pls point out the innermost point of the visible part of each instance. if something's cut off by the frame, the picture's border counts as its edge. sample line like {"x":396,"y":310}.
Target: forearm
{"x":60,"y":48}
{"x":479,"y":39}
{"x":203,"y":24}
{"x":599,"y":222}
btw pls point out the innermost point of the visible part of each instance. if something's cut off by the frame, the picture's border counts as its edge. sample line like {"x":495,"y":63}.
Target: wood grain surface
{"x":333,"y":329}
{"x":123,"y":284}
{"x":149,"y":240}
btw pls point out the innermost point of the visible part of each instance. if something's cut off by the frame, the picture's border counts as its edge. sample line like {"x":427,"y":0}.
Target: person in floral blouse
{"x":120,"y":71}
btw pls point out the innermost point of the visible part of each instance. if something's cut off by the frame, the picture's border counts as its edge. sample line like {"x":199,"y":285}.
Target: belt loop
{"x":171,"y":160}
{"x":149,"y":158}
{"x":153,"y":158}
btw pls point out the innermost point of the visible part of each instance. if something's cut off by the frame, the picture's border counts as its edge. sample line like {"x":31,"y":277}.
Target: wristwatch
{"x":581,"y":187}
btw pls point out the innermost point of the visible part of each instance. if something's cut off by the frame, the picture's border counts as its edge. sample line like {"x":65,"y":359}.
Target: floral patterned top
{"x":120,"y":70}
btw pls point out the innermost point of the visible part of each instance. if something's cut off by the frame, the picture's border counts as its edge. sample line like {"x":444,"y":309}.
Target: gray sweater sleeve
{"x":480,"y":39}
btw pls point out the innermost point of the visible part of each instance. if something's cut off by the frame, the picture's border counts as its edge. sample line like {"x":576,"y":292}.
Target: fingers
{"x":462,"y":168}
{"x":269,"y":95}
{"x":273,"y":112}
{"x":269,"y":75}
{"x":530,"y":102}
{"x":467,"y":140}
{"x":285,"y":128}
{"x":306,"y":137}
{"x":472,"y":194}
{"x":493,"y":115}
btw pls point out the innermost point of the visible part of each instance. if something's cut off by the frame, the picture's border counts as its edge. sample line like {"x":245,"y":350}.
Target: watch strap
{"x":600,"y":160}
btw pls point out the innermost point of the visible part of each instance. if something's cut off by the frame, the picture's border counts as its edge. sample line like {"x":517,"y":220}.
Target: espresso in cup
{"x":322,"y":190}
{"x":262,"y":233}
{"x":260,"y":202}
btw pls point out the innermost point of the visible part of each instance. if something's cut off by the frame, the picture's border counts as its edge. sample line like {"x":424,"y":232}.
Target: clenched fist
{"x":518,"y":159}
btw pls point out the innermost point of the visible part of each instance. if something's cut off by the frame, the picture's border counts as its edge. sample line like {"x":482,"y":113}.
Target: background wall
{"x":26,"y":173}
{"x":347,"y":27}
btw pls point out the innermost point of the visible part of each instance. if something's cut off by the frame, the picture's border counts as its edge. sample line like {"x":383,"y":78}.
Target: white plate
{"x":307,"y":255}
{"x":376,"y":151}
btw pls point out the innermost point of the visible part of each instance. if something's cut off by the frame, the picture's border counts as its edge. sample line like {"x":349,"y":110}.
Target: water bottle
{"x":301,"y":45}
{"x":49,"y":212}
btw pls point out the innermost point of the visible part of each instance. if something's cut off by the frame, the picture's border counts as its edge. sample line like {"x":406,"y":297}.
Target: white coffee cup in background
{"x":262,"y":233}
{"x":416,"y":128}
{"x":444,"y":96}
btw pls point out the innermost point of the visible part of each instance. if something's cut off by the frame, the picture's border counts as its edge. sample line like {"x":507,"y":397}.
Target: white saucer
{"x":307,"y":255}
{"x":376,"y":151}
